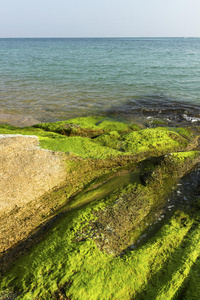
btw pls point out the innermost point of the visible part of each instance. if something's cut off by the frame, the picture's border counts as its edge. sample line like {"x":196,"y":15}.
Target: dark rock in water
{"x":156,"y":111}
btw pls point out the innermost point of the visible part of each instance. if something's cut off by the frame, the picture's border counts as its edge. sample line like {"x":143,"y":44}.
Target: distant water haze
{"x":56,"y":79}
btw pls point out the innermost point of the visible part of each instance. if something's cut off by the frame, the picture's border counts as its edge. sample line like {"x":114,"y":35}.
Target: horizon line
{"x":98,"y":37}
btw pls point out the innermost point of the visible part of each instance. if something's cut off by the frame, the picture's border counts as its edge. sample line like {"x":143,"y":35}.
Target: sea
{"x":53,"y":79}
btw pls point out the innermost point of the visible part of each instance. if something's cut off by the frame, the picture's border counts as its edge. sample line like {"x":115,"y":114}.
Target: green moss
{"x":86,"y":272}
{"x":168,"y":283}
{"x":182,"y":156}
{"x":154,"y":141}
{"x":191,"y":285}
{"x":110,"y":125}
{"x":157,"y":140}
{"x":87,"y":126}
{"x":82,"y":146}
{"x":109,"y":140}
{"x":68,"y":259}
{"x":185,"y":132}
{"x":40,"y":133}
{"x":6,"y":129}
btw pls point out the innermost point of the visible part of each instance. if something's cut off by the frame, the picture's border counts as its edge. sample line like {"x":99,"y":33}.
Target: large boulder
{"x":26,"y":171}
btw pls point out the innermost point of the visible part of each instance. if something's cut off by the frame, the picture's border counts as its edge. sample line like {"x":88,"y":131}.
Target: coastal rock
{"x":117,"y":226}
{"x":26,"y":171}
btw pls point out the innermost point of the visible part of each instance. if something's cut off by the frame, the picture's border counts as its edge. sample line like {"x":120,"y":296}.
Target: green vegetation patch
{"x":191,"y":284}
{"x":152,"y":141}
{"x":67,"y":261}
{"x":87,"y":126}
{"x":81,"y":271}
{"x":133,"y":206}
{"x":81,"y":146}
{"x":173,"y":277}
{"x":141,"y":143}
{"x":158,"y":140}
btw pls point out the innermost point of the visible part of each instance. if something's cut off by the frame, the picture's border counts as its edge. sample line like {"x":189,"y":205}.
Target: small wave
{"x":191,"y":119}
{"x":175,"y":113}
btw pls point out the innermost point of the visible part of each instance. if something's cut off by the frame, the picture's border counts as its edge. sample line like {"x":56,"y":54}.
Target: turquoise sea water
{"x":56,"y":79}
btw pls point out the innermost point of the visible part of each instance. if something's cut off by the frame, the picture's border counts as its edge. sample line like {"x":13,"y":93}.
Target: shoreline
{"x":172,"y":114}
{"x":17,"y":120}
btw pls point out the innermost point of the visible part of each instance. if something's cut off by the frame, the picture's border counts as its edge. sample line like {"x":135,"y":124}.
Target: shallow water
{"x":56,"y":79}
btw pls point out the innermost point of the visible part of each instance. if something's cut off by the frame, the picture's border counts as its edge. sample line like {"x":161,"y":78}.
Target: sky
{"x":99,"y":18}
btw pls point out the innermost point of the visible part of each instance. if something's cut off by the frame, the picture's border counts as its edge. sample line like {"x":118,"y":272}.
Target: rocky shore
{"x":97,"y":208}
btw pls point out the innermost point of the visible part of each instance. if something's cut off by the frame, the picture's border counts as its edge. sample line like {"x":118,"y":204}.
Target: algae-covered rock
{"x":149,"y":142}
{"x":87,"y":126}
{"x":137,"y":143}
{"x":119,"y":227}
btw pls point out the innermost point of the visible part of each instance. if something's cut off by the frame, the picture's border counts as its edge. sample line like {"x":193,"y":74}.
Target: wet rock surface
{"x":159,"y":110}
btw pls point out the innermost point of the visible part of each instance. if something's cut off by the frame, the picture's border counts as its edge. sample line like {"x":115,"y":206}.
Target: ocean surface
{"x":57,"y":79}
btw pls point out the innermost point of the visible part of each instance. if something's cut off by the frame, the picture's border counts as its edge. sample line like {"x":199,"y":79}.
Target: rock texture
{"x":26,"y":171}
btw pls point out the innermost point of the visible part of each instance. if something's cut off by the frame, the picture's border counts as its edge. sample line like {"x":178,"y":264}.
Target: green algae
{"x":146,"y":142}
{"x":81,"y":146}
{"x":130,"y":207}
{"x":191,"y":285}
{"x":158,"y":140}
{"x":61,"y":261}
{"x":142,"y":143}
{"x":155,"y":122}
{"x":69,"y":261}
{"x":176,"y":271}
{"x":87,"y":126}
{"x":91,"y":273}
{"x":111,"y":185}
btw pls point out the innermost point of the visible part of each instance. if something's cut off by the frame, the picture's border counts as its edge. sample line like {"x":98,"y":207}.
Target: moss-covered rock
{"x":149,"y":142}
{"x":139,"y":144}
{"x":118,"y":181}
{"x":87,"y":126}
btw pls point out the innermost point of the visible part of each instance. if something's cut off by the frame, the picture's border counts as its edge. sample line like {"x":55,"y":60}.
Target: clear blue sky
{"x":99,"y":18}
